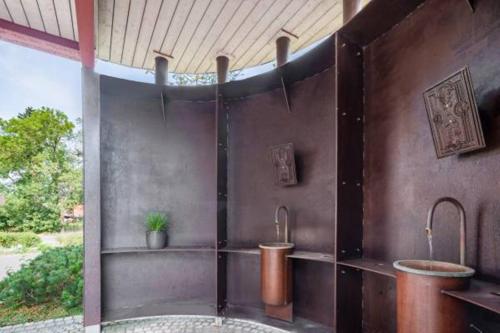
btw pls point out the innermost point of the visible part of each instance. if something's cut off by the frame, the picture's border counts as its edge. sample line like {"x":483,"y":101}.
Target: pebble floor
{"x":165,"y":324}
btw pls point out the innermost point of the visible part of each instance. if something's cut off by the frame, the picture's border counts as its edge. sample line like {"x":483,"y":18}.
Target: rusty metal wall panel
{"x":262,"y":121}
{"x":402,"y":174}
{"x":134,"y":284}
{"x":149,"y":163}
{"x":152,"y":164}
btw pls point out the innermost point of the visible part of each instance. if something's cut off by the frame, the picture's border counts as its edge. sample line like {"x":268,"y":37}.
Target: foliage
{"x":200,"y":79}
{"x":55,"y":276}
{"x":70,"y":238}
{"x":24,"y":314}
{"x":24,"y":239}
{"x":40,"y":170}
{"x":156,"y":222}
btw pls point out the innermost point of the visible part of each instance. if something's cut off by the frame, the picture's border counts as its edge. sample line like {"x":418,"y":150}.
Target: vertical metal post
{"x":282,"y":50}
{"x":222,"y":69}
{"x":161,"y":71}
{"x":92,"y":199}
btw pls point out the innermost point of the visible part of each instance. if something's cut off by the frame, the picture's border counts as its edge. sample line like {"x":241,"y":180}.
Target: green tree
{"x":40,"y":170}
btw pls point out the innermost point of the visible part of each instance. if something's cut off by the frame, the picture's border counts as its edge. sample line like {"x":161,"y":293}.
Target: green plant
{"x":23,"y":239}
{"x":54,"y":277}
{"x":156,"y":222}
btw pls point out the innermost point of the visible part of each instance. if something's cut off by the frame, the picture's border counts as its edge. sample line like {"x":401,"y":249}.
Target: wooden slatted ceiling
{"x":194,"y":32}
{"x":55,"y":17}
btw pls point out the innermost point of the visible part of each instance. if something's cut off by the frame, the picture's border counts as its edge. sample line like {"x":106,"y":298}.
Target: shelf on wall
{"x":480,"y":293}
{"x":371,"y":265}
{"x":305,"y":255}
{"x":166,"y":249}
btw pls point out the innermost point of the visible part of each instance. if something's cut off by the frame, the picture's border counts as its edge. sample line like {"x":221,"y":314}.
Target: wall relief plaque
{"x":453,"y":115}
{"x":283,"y":158}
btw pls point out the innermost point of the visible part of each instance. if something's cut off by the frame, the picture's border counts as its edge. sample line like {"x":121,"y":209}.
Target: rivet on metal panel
{"x":343,"y":45}
{"x":342,"y":272}
{"x":344,"y":183}
{"x":220,"y":257}
{"x":358,"y":119}
{"x":344,"y":114}
{"x":358,"y":54}
{"x":358,"y":249}
{"x":343,"y":251}
{"x":358,"y":184}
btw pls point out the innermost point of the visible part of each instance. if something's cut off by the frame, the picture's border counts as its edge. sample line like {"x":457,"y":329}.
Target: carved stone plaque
{"x":283,"y":158}
{"x":453,"y":115}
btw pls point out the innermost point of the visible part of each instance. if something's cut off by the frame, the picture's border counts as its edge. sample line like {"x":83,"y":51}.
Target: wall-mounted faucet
{"x":461,"y":211}
{"x":277,"y":222}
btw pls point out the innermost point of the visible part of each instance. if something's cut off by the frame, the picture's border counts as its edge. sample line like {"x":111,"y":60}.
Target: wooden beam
{"x":38,"y":40}
{"x":86,"y":33}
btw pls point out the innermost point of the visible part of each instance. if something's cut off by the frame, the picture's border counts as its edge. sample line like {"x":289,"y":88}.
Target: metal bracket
{"x":471,"y":5}
{"x":164,"y":101}
{"x":285,"y":94}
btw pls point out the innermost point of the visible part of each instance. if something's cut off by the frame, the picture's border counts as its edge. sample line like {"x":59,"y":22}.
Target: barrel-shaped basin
{"x":421,"y":305}
{"x":276,"y":273}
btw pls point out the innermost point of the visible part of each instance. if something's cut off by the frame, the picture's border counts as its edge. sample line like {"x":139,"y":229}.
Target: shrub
{"x":24,"y":239}
{"x":54,"y":277}
{"x":156,"y":222}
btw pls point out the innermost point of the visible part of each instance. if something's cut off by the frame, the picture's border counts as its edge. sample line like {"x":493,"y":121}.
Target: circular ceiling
{"x":193,"y":32}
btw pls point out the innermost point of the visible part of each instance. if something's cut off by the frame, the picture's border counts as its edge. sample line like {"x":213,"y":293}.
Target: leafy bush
{"x":54,"y":277}
{"x":24,"y":239}
{"x":156,"y":222}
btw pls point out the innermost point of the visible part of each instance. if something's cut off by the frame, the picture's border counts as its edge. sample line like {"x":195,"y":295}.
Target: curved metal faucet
{"x":277,"y":222}
{"x":461,"y":211}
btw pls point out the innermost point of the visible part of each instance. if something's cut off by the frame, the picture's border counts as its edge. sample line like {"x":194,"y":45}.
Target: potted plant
{"x":156,"y":236}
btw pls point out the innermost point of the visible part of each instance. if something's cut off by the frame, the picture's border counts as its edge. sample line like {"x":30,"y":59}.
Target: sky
{"x":34,"y":78}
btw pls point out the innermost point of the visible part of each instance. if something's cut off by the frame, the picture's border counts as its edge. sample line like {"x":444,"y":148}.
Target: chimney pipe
{"x":161,"y":71}
{"x":282,"y":49}
{"x":222,"y":67}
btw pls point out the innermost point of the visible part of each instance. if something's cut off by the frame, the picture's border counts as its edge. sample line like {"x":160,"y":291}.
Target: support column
{"x":92,"y":199}
{"x":161,"y":71}
{"x":351,"y":8}
{"x":282,"y":50}
{"x":222,"y":69}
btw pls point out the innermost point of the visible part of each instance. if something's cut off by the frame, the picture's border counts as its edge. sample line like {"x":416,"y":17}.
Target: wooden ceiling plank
{"x":63,"y":15}
{"x":268,"y":51}
{"x":217,"y":29}
{"x":311,"y":34}
{"x":49,"y":16}
{"x":162,"y":28}
{"x":241,"y":16}
{"x":33,"y":14}
{"x":4,"y":12}
{"x":150,"y":20}
{"x":264,"y":12}
{"x":119,"y":21}
{"x":197,"y":18}
{"x":178,"y":23}
{"x":192,"y":49}
{"x":105,"y":18}
{"x":73,"y":19}
{"x":269,"y":34}
{"x":17,"y":12}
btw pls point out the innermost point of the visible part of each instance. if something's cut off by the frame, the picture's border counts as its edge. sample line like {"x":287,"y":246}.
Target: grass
{"x":70,"y":238}
{"x":24,"y":314}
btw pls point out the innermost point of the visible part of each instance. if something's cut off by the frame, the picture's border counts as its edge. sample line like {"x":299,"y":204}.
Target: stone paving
{"x":163,"y":324}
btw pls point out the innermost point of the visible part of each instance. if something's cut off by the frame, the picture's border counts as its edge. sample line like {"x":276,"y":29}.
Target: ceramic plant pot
{"x":156,"y":239}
